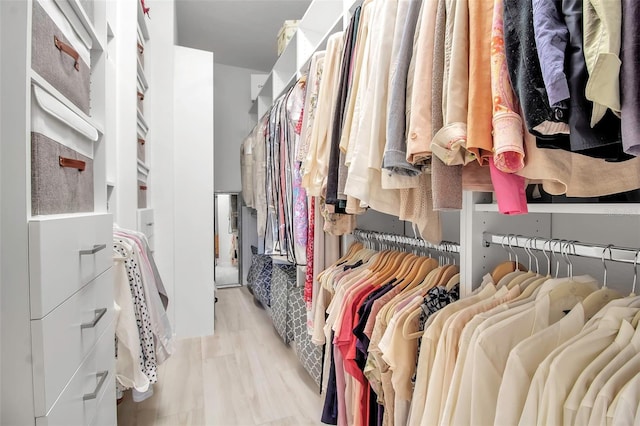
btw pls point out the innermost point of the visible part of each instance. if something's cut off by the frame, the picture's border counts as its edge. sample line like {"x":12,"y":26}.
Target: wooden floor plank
{"x":242,"y":375}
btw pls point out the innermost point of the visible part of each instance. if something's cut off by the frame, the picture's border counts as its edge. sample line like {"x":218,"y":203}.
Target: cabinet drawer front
{"x":64,"y":255}
{"x":78,"y":403}
{"x":145,"y":222}
{"x":63,"y":338}
{"x":107,"y":413}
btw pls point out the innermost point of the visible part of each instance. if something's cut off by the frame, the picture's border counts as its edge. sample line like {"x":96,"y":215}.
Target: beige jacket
{"x":419,"y":117}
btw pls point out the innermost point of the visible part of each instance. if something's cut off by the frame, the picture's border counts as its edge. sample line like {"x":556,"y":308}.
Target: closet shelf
{"x":254,"y":107}
{"x":142,"y":23}
{"x":141,"y":38}
{"x":110,"y":33}
{"x":141,"y":76}
{"x":87,"y":24}
{"x":354,"y":5}
{"x":55,"y":217}
{"x":573,"y":208}
{"x":319,"y":45}
{"x":265,"y":93}
{"x":40,"y":81}
{"x":142,"y":123}
{"x":286,"y":86}
{"x":320,"y":14}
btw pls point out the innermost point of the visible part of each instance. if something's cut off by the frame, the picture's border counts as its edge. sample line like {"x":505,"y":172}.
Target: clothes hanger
{"x":519,"y":276}
{"x":636,"y":318}
{"x":535,"y":282}
{"x":455,"y":279}
{"x":406,"y":266}
{"x":387,"y":271}
{"x":450,"y":281}
{"x":536,"y":276}
{"x":599,"y":298}
{"x":569,"y":288}
{"x":504,"y":268}
{"x":507,"y":278}
{"x":635,"y":274}
{"x":449,"y":271}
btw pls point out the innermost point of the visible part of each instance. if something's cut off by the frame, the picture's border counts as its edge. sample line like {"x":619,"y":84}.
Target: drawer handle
{"x":141,"y":141}
{"x":141,"y":96}
{"x":71,"y":163}
{"x":102,"y":376}
{"x":143,"y":187}
{"x":150,"y":224}
{"x":64,"y":47}
{"x":99,"y":314}
{"x":96,"y":248}
{"x":140,"y":48}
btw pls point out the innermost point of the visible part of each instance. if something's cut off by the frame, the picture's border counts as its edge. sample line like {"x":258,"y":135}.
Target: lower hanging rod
{"x":565,"y":247}
{"x":383,"y":237}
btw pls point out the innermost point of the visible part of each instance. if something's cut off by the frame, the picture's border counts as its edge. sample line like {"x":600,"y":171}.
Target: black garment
{"x":436,"y":299}
{"x":605,"y":139}
{"x":338,"y":116}
{"x":629,"y":76}
{"x":330,"y":408}
{"x":525,"y":73}
{"x":364,"y":311}
{"x":373,"y":408}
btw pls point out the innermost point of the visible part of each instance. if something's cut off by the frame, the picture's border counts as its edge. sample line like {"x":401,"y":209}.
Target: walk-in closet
{"x":306,"y":212}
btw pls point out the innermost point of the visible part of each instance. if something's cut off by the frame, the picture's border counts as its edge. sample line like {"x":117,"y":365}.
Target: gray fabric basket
{"x":56,"y":66}
{"x":310,"y":355}
{"x":142,"y":195}
{"x":56,"y":189}
{"x":262,"y":283}
{"x":283,"y":282}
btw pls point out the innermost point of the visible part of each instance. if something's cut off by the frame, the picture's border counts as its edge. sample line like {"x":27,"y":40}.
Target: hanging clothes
{"x":144,"y":337}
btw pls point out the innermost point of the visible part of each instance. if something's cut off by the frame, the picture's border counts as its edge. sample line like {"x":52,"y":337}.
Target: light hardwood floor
{"x":242,"y":375}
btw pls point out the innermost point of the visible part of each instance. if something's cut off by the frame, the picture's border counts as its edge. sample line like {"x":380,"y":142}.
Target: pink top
{"x":510,"y":191}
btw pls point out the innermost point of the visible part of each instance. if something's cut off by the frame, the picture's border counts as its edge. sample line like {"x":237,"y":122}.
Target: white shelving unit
{"x":55,"y":269}
{"x":573,"y":208}
{"x":322,"y":18}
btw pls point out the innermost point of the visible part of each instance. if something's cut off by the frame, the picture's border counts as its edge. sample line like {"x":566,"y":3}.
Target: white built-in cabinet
{"x":130,"y":156}
{"x":57,"y":316}
{"x":601,"y":224}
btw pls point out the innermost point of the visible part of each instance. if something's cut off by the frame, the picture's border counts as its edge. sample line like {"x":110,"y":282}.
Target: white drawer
{"x":78,"y":403}
{"x":63,"y":338}
{"x":107,"y":412}
{"x":146,"y":224}
{"x":64,"y":255}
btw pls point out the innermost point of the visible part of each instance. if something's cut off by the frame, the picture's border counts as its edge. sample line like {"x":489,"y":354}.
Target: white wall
{"x":194,"y":168}
{"x":160,"y":146}
{"x":232,"y":104}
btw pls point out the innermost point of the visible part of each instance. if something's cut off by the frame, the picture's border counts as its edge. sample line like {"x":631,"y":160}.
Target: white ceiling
{"x":242,"y":33}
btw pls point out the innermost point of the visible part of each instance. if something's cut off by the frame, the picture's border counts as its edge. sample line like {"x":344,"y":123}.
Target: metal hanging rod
{"x":568,"y":247}
{"x":404,"y":241}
